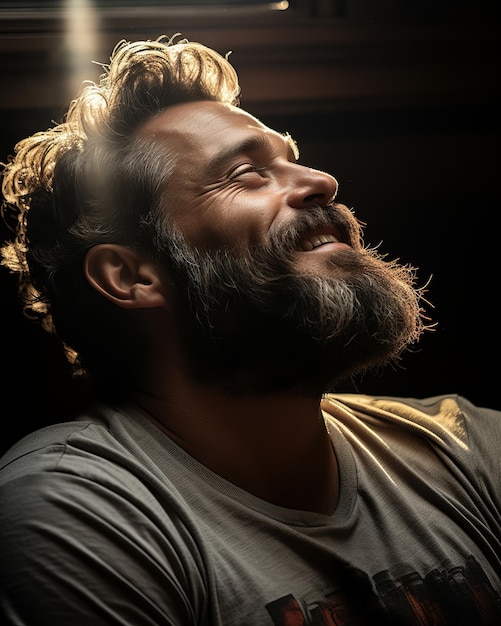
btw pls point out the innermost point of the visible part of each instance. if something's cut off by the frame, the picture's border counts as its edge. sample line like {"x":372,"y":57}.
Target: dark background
{"x":397,"y":101}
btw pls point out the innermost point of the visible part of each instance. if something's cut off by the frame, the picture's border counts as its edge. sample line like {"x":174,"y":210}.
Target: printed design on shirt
{"x":460,"y":595}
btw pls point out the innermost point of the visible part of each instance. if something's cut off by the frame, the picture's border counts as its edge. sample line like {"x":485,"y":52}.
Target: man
{"x":215,"y":293}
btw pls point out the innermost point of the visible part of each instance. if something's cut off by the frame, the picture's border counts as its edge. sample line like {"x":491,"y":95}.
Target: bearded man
{"x":218,"y":296}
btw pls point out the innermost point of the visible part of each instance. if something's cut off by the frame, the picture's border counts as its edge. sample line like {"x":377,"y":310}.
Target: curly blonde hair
{"x":93,"y":179}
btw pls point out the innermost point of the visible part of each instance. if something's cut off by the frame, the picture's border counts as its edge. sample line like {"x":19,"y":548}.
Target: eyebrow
{"x":254,"y":143}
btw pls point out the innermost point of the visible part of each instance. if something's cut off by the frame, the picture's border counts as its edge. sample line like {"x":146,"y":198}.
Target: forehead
{"x":203,"y":130}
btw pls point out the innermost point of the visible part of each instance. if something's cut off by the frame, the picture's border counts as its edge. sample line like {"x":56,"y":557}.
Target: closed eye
{"x":245,"y":168}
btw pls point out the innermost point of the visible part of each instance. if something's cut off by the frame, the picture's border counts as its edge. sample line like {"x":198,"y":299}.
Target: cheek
{"x":226,"y":223}
{"x":226,"y":231}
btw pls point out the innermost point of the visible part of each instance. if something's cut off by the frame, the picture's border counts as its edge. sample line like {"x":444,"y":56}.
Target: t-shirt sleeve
{"x":82,"y":542}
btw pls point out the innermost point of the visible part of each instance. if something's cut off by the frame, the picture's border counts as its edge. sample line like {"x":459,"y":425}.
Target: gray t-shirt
{"x":106,"y":521}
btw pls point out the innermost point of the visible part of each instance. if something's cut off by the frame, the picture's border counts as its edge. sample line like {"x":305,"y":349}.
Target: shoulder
{"x":81,"y":509}
{"x":83,"y":460}
{"x":46,"y":448}
{"x":458,"y":432}
{"x":87,"y":478}
{"x":448,"y":413}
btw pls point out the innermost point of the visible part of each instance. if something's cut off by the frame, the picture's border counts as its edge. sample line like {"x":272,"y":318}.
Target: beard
{"x":252,"y":323}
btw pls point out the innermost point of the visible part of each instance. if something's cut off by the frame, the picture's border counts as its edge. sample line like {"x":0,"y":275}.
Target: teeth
{"x":317,"y":240}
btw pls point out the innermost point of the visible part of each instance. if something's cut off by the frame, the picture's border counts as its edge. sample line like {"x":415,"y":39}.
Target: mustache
{"x":336,"y":217}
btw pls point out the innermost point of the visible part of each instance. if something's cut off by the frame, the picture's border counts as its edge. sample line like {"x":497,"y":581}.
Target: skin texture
{"x":234,"y":198}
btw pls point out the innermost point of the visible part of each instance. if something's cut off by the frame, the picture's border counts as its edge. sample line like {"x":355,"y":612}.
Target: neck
{"x":274,"y":446}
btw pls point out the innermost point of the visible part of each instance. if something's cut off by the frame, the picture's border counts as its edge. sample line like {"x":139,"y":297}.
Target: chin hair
{"x":251,"y":324}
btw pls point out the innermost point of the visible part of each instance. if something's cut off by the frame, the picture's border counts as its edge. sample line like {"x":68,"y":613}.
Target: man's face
{"x":274,"y":289}
{"x":236,"y":183}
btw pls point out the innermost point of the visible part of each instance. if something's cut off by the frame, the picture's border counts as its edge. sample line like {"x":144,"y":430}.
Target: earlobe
{"x":124,"y":277}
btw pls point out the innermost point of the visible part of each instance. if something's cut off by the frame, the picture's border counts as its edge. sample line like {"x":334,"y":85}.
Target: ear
{"x":125,"y":277}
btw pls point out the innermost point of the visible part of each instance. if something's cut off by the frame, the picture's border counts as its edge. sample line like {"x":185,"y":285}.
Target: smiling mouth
{"x":315,"y":241}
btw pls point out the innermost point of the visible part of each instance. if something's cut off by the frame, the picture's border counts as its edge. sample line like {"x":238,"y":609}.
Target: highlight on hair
{"x":92,"y":179}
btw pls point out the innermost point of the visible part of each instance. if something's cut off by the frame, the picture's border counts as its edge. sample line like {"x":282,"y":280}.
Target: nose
{"x":310,"y":187}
